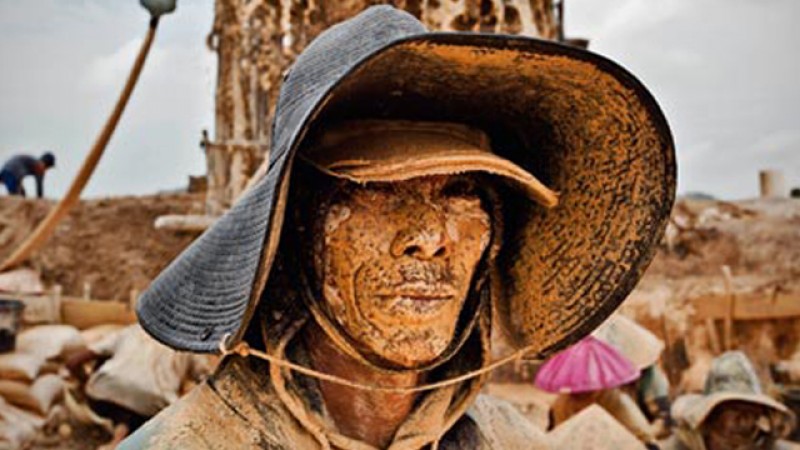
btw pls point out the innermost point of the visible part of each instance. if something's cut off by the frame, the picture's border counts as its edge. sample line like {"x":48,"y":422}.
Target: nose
{"x":425,"y":238}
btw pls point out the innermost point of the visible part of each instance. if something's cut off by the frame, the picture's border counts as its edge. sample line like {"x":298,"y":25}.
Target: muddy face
{"x":739,"y":426}
{"x":397,"y":260}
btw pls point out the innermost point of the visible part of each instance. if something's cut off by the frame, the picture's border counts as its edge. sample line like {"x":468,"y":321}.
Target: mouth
{"x":417,"y":300}
{"x":418,"y":293}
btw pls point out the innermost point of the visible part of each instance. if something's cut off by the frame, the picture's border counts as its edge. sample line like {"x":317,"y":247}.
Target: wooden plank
{"x":74,"y":311}
{"x":748,"y":306}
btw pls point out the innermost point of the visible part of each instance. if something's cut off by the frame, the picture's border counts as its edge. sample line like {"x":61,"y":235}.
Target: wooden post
{"x":713,"y":337}
{"x":87,"y":291}
{"x":729,"y":315}
{"x":56,"y":302}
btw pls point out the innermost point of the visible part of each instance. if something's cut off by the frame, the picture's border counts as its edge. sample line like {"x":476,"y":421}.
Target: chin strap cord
{"x":244,"y":350}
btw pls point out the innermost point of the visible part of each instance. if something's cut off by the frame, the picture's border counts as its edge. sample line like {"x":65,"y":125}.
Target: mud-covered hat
{"x":366,"y":151}
{"x":731,"y":378}
{"x":577,"y":122}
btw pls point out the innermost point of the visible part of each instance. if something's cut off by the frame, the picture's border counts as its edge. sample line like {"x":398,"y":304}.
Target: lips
{"x":419,"y":293}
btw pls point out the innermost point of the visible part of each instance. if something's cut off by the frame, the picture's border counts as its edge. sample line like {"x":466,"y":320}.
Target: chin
{"x":413,"y":352}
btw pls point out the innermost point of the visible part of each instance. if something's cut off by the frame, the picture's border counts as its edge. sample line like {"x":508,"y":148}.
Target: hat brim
{"x":694,"y":409}
{"x":579,"y":122}
{"x":399,"y":151}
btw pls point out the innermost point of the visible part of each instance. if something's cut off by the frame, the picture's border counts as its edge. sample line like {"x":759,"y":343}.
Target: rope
{"x":46,"y":228}
{"x":244,"y":350}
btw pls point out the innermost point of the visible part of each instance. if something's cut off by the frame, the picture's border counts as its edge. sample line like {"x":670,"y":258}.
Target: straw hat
{"x":578,"y":123}
{"x":634,"y":341}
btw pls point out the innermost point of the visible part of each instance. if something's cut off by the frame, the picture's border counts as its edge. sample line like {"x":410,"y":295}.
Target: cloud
{"x":107,"y":71}
{"x":635,"y":16}
{"x":778,"y":142}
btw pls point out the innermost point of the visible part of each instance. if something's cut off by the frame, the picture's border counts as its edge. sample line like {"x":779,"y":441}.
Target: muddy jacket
{"x":240,"y":409}
{"x":250,"y":404}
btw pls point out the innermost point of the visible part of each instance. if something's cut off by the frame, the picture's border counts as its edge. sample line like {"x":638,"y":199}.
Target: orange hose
{"x":45,"y":229}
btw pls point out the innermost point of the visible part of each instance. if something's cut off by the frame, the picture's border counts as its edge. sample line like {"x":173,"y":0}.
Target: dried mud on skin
{"x":110,"y":243}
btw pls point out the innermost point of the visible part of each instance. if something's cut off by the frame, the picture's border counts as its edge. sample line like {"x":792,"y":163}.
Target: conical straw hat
{"x":593,"y":429}
{"x":636,"y":342}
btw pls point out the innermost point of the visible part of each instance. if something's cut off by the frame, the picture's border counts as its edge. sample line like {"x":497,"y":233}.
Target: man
{"x":732,"y":414}
{"x":643,"y":349}
{"x":354,"y":304}
{"x":594,"y":372}
{"x":20,"y":166}
{"x":137,"y":379}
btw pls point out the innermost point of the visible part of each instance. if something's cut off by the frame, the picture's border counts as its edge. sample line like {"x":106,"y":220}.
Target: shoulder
{"x":201,"y":420}
{"x":503,"y":427}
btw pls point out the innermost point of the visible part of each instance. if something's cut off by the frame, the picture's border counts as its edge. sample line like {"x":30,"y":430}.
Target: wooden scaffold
{"x":257,"y":40}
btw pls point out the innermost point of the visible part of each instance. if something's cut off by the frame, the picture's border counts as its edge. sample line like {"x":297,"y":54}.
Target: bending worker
{"x":20,"y":166}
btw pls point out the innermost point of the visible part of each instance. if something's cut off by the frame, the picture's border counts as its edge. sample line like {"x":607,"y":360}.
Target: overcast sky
{"x":725,"y":72}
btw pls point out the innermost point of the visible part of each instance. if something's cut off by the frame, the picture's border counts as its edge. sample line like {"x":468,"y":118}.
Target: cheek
{"x":350,"y":245}
{"x":470,"y":234}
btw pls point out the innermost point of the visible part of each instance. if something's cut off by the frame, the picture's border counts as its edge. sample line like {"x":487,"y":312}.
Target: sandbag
{"x":38,"y":397}
{"x":593,"y":429}
{"x":21,"y":281}
{"x":99,"y":332}
{"x":17,"y":427}
{"x":50,"y":341}
{"x":20,"y":366}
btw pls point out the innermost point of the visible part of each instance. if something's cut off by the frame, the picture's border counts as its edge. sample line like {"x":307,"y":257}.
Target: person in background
{"x":644,"y":350}
{"x":733,"y":413}
{"x":593,"y":372}
{"x":137,"y":377}
{"x":20,"y":166}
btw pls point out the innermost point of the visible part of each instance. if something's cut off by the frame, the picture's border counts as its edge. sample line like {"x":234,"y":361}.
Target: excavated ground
{"x":110,"y":244}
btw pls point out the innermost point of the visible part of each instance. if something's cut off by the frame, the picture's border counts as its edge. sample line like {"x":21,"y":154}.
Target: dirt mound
{"x":750,"y":237}
{"x":109,"y":243}
{"x":759,"y":242}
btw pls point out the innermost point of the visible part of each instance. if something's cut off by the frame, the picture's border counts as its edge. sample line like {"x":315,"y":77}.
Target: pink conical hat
{"x":589,"y":365}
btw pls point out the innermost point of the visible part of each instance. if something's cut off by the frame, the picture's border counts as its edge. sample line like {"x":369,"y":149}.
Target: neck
{"x":369,"y":416}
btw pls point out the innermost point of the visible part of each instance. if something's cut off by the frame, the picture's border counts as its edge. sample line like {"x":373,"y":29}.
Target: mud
{"x":110,"y":244}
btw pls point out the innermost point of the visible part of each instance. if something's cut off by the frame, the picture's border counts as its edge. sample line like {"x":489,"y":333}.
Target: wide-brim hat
{"x":731,"y":378}
{"x":581,"y":124}
{"x":694,"y":409}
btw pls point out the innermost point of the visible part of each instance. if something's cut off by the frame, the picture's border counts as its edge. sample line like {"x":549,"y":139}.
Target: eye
{"x":461,"y":187}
